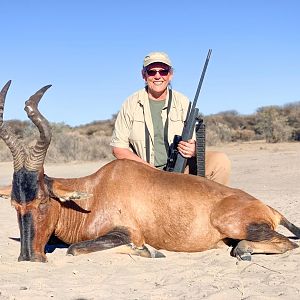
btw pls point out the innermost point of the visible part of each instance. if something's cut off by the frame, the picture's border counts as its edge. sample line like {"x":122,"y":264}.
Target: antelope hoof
{"x":157,"y":254}
{"x":246,"y":256}
{"x":242,"y":251}
{"x":142,"y":251}
{"x":72,"y":250}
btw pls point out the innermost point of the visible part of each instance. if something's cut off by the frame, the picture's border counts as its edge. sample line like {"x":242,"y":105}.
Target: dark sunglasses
{"x":163,"y":72}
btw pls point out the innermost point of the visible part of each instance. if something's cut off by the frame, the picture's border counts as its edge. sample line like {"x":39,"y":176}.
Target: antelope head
{"x":36,"y":214}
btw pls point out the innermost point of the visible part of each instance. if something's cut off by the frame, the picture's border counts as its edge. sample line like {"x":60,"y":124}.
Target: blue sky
{"x":92,"y":52}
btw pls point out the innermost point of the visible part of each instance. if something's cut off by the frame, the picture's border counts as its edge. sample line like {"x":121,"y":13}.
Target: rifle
{"x":176,"y":162}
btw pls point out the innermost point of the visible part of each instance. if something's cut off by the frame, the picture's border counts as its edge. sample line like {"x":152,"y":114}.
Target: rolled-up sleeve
{"x":123,"y":124}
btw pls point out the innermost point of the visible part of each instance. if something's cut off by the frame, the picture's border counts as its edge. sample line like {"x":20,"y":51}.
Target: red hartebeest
{"x":129,"y":203}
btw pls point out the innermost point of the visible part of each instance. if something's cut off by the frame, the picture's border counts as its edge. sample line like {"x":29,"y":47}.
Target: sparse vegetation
{"x":90,"y":142}
{"x":272,"y":123}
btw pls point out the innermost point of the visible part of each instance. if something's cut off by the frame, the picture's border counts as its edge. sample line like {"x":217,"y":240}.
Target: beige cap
{"x":157,"y":57}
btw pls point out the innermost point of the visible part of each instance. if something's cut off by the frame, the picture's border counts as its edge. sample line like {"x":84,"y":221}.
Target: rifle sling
{"x":200,"y":147}
{"x":147,"y":142}
{"x":166,"y":128}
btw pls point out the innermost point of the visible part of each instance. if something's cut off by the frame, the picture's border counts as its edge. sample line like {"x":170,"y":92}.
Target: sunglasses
{"x":163,"y":72}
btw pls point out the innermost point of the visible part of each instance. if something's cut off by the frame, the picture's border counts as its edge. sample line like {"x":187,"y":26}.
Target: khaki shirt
{"x":135,"y":111}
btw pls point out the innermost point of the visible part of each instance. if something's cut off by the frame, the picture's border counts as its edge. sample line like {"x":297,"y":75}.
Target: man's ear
{"x":171,"y":74}
{"x":143,"y":73}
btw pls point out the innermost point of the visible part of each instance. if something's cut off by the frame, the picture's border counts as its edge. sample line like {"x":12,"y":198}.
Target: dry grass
{"x":90,"y":142}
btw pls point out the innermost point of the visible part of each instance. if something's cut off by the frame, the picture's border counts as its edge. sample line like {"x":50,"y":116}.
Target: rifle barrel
{"x":178,"y":163}
{"x":201,"y":79}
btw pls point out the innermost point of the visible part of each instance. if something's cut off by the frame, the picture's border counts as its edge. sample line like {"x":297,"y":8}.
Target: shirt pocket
{"x":177,"y":118}
{"x":177,"y":115}
{"x":138,"y":130}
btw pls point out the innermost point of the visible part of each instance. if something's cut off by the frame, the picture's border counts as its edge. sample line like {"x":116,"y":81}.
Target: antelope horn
{"x":15,"y":146}
{"x":2,"y":99}
{"x":35,"y":160}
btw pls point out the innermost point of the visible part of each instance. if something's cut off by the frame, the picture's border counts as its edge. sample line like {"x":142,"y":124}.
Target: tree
{"x":271,"y":123}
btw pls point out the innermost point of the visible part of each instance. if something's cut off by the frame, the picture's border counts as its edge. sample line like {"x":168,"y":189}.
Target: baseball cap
{"x":157,"y":57}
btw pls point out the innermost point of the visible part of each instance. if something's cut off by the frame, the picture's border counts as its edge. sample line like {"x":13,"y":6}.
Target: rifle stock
{"x":176,"y":162}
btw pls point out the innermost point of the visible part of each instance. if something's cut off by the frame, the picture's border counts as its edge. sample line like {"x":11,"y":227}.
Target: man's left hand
{"x":187,"y":149}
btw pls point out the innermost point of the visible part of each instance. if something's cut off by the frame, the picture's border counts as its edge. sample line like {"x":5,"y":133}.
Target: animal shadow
{"x":53,"y":243}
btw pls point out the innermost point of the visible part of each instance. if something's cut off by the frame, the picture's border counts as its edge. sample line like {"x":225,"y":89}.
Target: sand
{"x":269,"y":172}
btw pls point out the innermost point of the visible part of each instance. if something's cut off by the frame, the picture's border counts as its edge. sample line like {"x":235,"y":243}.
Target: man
{"x":149,"y":119}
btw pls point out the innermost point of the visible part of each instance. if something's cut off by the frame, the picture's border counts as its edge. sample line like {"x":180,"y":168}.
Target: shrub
{"x":273,"y":125}
{"x":91,"y":141}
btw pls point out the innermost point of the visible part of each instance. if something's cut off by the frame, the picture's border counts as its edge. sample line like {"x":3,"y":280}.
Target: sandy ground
{"x":270,"y":172}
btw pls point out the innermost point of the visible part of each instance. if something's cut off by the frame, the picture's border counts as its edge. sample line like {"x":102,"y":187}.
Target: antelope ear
{"x":64,"y":196}
{"x":64,"y":193}
{"x":5,"y":191}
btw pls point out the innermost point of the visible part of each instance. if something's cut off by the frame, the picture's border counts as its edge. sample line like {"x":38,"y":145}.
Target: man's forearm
{"x":122,"y":153}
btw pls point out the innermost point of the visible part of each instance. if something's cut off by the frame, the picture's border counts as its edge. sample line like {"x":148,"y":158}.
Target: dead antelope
{"x":128,"y":203}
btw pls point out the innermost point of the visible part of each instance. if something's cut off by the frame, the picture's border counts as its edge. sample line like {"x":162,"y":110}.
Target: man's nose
{"x":157,"y":75}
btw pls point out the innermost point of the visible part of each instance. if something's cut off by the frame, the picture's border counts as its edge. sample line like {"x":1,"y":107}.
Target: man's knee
{"x":217,"y":167}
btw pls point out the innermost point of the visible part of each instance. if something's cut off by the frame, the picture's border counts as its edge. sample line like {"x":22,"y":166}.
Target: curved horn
{"x":11,"y":140}
{"x":2,"y":99}
{"x":35,"y":160}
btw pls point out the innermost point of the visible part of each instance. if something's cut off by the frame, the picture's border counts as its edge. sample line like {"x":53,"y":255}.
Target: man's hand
{"x":187,"y":149}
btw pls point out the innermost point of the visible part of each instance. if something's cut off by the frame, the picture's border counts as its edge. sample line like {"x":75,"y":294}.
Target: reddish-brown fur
{"x":169,"y":211}
{"x":175,"y":212}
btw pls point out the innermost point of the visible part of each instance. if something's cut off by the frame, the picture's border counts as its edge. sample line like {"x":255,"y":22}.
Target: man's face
{"x":157,"y":76}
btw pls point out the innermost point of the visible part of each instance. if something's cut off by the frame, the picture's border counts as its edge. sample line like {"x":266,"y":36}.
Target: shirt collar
{"x":143,"y":96}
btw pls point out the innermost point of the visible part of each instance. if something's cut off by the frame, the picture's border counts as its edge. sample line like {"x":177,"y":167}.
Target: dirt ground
{"x":270,"y":172}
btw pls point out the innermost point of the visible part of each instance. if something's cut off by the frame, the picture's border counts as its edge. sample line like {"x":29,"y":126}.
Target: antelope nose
{"x":32,"y":258}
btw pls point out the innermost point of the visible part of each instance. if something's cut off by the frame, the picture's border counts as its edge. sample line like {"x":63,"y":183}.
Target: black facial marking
{"x":25,"y":186}
{"x":27,"y":235}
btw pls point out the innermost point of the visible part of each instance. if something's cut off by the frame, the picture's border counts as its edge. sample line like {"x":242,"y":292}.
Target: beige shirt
{"x":135,"y":111}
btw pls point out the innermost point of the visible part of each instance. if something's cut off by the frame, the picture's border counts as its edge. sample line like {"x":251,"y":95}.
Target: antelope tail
{"x":281,"y":220}
{"x":290,"y":226}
